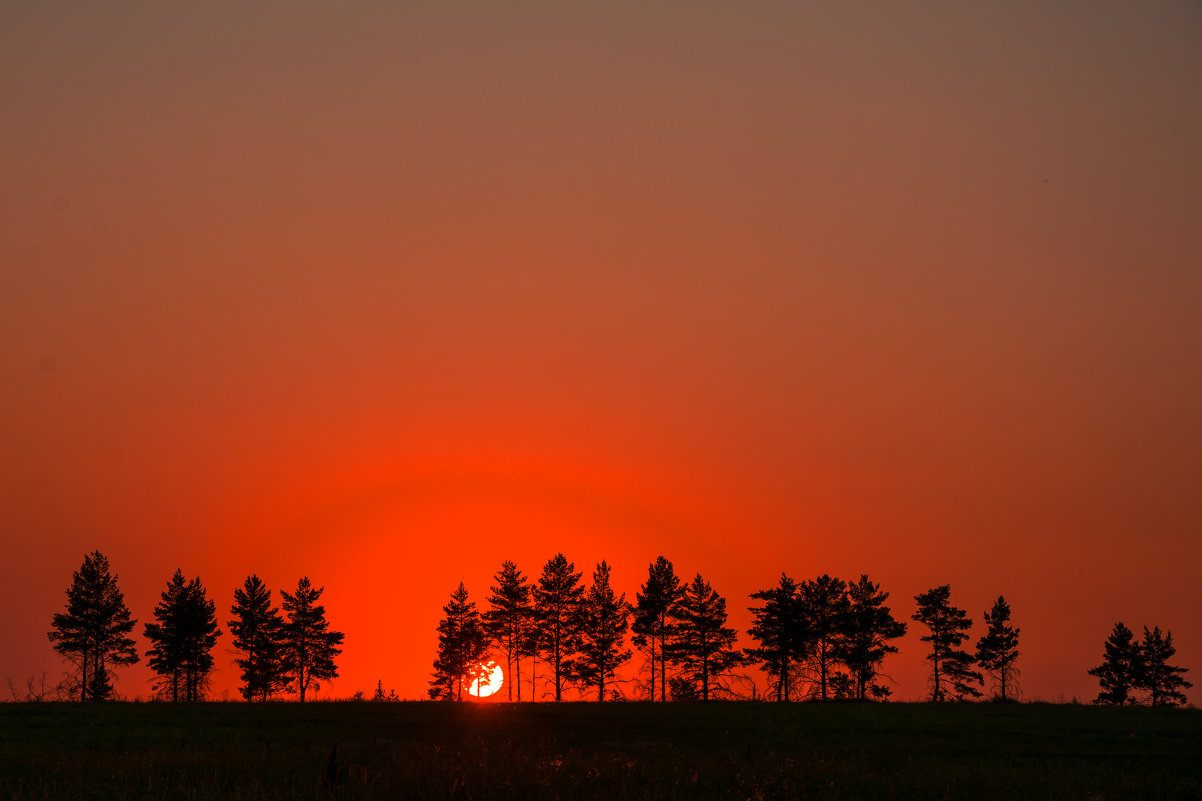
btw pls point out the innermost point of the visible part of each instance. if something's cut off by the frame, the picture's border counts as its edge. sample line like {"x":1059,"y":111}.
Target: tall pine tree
{"x":703,"y":645}
{"x":780,"y":629}
{"x":951,"y":668}
{"x":1121,"y":668}
{"x":997,"y":650}
{"x":309,"y":647}
{"x":93,"y":631}
{"x":870,"y":628}
{"x":825,"y":607}
{"x":1162,"y":681}
{"x":508,"y":621}
{"x":653,"y":627}
{"x":606,"y":619}
{"x":558,"y":608}
{"x":183,"y":638}
{"x":462,"y":647}
{"x":257,"y":629}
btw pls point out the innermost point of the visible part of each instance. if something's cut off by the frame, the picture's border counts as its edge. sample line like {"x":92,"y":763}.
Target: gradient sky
{"x":387,"y":293}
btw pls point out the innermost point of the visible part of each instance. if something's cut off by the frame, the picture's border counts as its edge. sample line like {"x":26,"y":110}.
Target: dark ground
{"x":587,"y":751}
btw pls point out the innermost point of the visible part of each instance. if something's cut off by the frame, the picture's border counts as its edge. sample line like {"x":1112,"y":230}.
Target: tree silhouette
{"x":606,"y":619}
{"x":93,"y":632}
{"x":462,"y":646}
{"x":997,"y":650}
{"x":653,"y":627}
{"x":182,"y":640}
{"x":1121,"y":666}
{"x":308,"y":646}
{"x":558,"y":607}
{"x":508,"y":621}
{"x":780,"y":628}
{"x":948,"y":628}
{"x":825,"y":607}
{"x":703,"y":642}
{"x":1163,"y":681}
{"x":257,"y":629}
{"x":870,"y":627}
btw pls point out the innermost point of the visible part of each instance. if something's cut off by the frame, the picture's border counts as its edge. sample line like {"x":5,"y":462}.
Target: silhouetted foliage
{"x":703,"y":645}
{"x":182,"y":640}
{"x":93,"y":632}
{"x":257,"y":629}
{"x":997,"y":650}
{"x":825,"y":609}
{"x":870,"y":627}
{"x":1162,"y":681}
{"x":509,"y":621}
{"x":653,"y":627}
{"x":948,"y":628}
{"x":462,"y":647}
{"x":558,"y":608}
{"x":380,"y":695}
{"x":309,"y":647}
{"x":1121,"y":665}
{"x":781,"y":630}
{"x":605,"y":621}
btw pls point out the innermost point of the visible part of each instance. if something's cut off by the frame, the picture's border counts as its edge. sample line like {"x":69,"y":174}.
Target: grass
{"x":585,"y":751}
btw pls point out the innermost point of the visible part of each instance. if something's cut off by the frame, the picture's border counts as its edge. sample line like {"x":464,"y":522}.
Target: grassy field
{"x":584,"y":751}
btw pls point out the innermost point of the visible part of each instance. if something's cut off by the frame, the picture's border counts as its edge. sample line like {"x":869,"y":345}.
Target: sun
{"x":490,"y":680}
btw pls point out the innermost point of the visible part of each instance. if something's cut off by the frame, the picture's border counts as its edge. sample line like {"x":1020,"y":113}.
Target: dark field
{"x":429,"y":750}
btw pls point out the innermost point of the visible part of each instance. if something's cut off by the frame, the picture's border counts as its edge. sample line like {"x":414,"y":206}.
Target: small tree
{"x":93,"y":631}
{"x":948,"y":628}
{"x":1162,"y":681}
{"x":182,"y":640}
{"x":558,"y":609}
{"x":606,"y":618}
{"x":1122,"y":664}
{"x":825,"y":608}
{"x":508,"y":621}
{"x":309,"y":647}
{"x":703,"y":646}
{"x":257,"y":629}
{"x":870,"y":628}
{"x":780,"y":629}
{"x":653,"y":626}
{"x":997,"y":650}
{"x":462,"y":647}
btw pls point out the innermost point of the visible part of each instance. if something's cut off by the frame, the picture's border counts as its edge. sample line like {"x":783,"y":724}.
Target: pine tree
{"x":308,"y":646}
{"x":948,"y":628}
{"x":1121,"y":668}
{"x":462,"y":647}
{"x":825,"y":608}
{"x":997,"y":650}
{"x":653,"y":627}
{"x":606,"y":619}
{"x":93,"y":632}
{"x":508,"y":621}
{"x":558,"y":608}
{"x":182,"y":640}
{"x":870,"y":627}
{"x":1163,"y":681}
{"x":703,"y":643}
{"x":780,"y":628}
{"x":257,"y":629}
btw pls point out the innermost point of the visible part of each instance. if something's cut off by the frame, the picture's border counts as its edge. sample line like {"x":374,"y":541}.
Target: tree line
{"x":288,"y":652}
{"x":822,"y":638}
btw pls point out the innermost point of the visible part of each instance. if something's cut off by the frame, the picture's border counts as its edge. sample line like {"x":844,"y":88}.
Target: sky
{"x":387,"y":293}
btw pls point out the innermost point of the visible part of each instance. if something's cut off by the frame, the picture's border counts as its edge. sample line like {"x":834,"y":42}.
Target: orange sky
{"x":389,"y":293}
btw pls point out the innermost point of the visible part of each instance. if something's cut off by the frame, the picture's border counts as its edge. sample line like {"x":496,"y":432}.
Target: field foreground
{"x":584,"y":751}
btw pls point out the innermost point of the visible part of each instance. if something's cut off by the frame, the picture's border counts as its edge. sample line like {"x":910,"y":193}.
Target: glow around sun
{"x":490,"y":680}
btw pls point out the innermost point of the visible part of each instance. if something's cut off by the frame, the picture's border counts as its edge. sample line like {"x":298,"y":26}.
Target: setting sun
{"x":488,"y":682}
